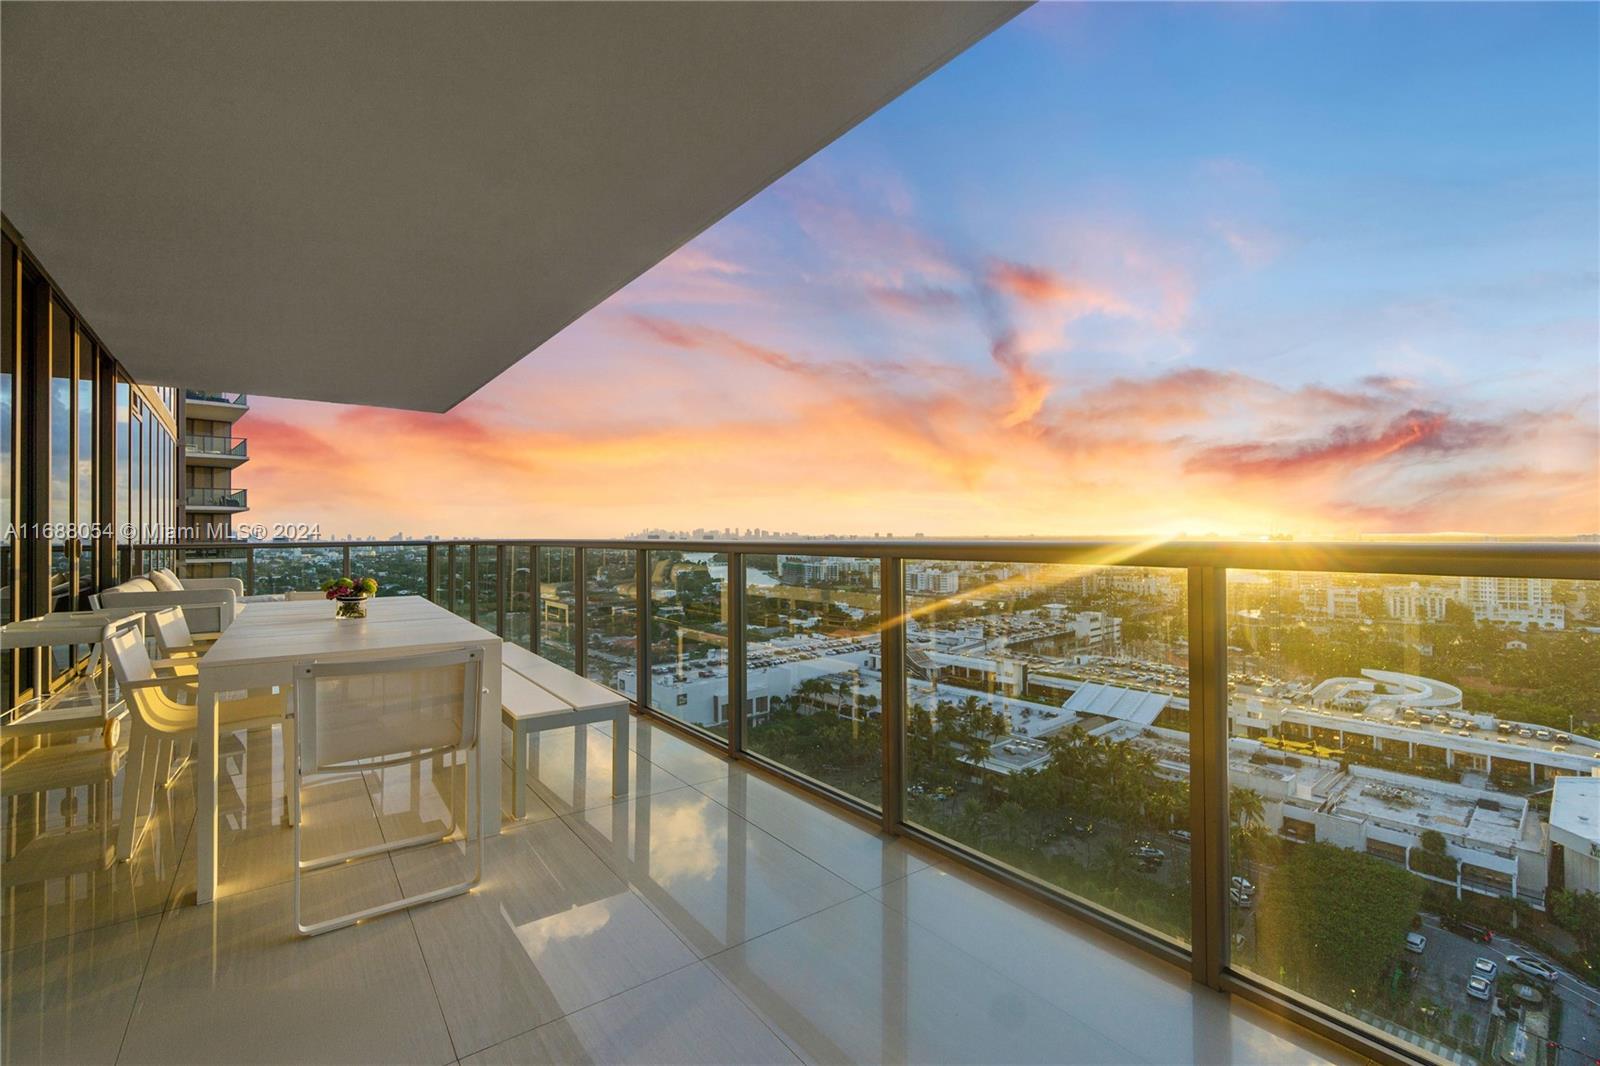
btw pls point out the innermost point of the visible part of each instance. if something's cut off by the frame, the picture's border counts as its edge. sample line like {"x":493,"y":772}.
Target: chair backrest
{"x":172,"y":631}
{"x":129,"y":660}
{"x":350,"y":711}
{"x":130,"y":663}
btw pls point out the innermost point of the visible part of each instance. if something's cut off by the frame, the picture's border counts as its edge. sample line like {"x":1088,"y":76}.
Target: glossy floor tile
{"x":55,"y":881}
{"x":715,"y":878}
{"x":859,"y":982}
{"x":550,"y":930}
{"x":567,"y":776}
{"x":714,"y":915}
{"x":846,"y":846}
{"x":68,"y":999}
{"x":683,"y":759}
{"x":233,"y":982}
{"x":687,"y":1016}
{"x":1092,"y":976}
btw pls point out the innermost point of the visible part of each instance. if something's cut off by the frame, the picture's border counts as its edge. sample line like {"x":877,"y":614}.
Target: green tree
{"x":1331,"y":919}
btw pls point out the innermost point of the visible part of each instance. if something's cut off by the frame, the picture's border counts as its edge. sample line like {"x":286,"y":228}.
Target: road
{"x":1448,"y":959}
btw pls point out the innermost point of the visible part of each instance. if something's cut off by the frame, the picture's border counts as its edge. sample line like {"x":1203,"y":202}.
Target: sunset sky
{"x":1321,"y":269}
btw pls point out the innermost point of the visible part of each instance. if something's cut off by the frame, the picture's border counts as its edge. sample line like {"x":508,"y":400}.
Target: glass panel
{"x":460,"y":561}
{"x":61,"y":472}
{"x":1411,"y":789}
{"x":519,"y":596}
{"x":813,"y":686}
{"x":399,"y":569}
{"x":557,"y":605}
{"x":689,"y":638}
{"x":218,"y":562}
{"x":296,"y":569}
{"x":1046,"y":722}
{"x":441,"y":574}
{"x":8,"y":497}
{"x":486,"y":585}
{"x":122,"y":461}
{"x":611,"y":605}
{"x":87,"y":515}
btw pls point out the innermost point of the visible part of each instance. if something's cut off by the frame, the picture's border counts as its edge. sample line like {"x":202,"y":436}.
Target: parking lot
{"x":1447,"y":961}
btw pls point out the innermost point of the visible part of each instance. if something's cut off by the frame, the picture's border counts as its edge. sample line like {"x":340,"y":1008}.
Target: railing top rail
{"x":1531,"y":558}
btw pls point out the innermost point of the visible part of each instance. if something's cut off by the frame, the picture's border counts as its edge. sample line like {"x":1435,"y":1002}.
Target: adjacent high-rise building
{"x":1516,"y":601}
{"x":211,"y":454}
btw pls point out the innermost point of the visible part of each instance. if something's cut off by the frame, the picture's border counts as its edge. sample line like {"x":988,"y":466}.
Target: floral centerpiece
{"x":350,"y":594}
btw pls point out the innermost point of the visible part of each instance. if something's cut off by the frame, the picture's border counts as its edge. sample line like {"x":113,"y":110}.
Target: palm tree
{"x":1245,"y":807}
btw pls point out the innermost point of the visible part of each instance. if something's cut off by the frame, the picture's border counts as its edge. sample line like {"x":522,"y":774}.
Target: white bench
{"x":536,"y":694}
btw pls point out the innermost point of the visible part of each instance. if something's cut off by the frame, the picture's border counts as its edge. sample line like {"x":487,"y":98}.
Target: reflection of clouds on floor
{"x":580,"y":921}
{"x":689,"y":836}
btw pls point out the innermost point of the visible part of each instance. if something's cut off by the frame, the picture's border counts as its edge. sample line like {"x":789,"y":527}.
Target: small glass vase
{"x":350,"y":607}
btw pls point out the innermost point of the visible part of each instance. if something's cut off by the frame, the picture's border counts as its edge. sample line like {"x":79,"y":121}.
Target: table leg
{"x":519,"y":772}
{"x":489,"y":733}
{"x":205,"y":786}
{"x":619,"y":755}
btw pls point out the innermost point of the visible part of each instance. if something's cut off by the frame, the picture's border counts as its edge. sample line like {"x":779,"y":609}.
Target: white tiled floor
{"x":713,"y":916}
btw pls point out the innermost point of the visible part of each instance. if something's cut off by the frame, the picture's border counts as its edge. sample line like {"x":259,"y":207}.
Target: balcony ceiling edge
{"x":391,"y":204}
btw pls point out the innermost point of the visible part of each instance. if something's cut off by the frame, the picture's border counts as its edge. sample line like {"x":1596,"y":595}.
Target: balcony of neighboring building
{"x":216,"y":406}
{"x":210,"y":450}
{"x":216,"y":501}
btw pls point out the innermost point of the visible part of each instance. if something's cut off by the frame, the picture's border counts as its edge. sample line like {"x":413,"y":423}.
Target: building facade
{"x":91,"y":461}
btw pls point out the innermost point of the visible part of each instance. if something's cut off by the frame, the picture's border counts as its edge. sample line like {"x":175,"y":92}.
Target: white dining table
{"x":261,"y":649}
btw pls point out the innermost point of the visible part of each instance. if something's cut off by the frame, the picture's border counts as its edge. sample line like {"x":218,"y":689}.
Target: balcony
{"x":832,"y":712}
{"x":216,"y":500}
{"x":215,"y":406}
{"x":204,"y":450}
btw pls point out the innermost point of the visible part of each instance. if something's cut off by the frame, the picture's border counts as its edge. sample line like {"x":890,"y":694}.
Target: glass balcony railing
{"x":1317,"y":776}
{"x":236,"y":399}
{"x":219,"y":498}
{"x":229,"y":447}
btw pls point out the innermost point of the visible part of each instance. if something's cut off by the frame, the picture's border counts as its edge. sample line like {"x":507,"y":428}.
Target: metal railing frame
{"x":208,"y":444}
{"x":1206,"y":563}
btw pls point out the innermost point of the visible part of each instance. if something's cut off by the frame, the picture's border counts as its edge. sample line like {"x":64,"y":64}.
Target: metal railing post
{"x":580,"y":601}
{"x":431,"y":557}
{"x":892,"y":663}
{"x":641,"y":658}
{"x":346,"y":560}
{"x":250,"y":571}
{"x":738,"y":697}
{"x":500,"y":585}
{"x":1208,"y":772}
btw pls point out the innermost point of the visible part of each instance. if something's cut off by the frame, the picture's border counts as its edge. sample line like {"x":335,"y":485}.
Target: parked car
{"x":1416,"y":943}
{"x":1180,"y":834}
{"x":1242,"y":884}
{"x":1239,"y":899}
{"x":1478,"y":988}
{"x":1485,"y":968}
{"x":1143,"y":849}
{"x":1535,"y":967}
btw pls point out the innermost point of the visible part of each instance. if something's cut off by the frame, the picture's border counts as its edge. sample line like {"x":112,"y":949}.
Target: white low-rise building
{"x":1575,"y":830}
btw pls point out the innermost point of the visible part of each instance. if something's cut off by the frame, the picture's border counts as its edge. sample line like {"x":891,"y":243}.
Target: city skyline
{"x":1115,"y":270}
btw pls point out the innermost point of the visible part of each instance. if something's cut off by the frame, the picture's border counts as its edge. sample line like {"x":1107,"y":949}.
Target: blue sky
{"x":1119,"y":268}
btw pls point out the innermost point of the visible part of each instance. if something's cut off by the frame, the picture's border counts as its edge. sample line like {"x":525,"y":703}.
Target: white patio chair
{"x":179,"y":648}
{"x":163,"y":715}
{"x":373,"y":714}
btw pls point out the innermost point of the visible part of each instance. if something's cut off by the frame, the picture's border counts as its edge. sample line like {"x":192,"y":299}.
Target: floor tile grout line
{"x":587,"y":1006}
{"x":928,"y":862}
{"x":433,"y":985}
{"x":952,"y":945}
{"x":742,"y":998}
{"x":161,"y":920}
